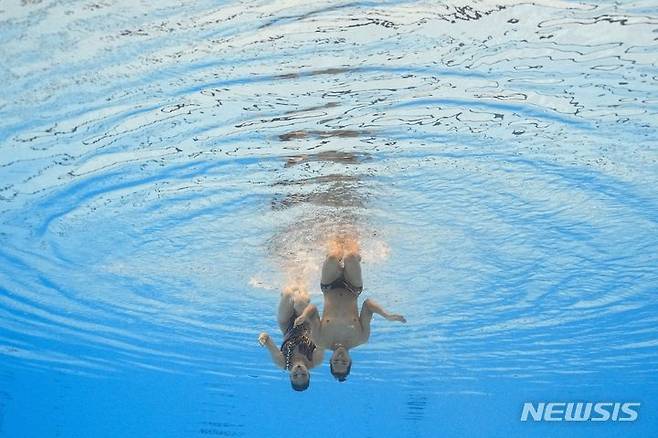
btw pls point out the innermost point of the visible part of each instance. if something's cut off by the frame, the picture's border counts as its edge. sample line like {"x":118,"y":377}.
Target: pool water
{"x":166,"y":168}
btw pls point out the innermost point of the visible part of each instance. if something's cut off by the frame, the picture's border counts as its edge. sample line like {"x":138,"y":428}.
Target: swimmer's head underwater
{"x":340,"y":363}
{"x":300,"y":377}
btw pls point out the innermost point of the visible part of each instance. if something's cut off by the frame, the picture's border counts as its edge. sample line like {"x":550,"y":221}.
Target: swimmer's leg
{"x":286,"y":309}
{"x":331,"y":269}
{"x":353,"y":271}
{"x":301,"y":299}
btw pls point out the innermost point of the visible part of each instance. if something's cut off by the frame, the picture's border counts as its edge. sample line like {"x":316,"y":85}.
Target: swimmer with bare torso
{"x":342,"y":327}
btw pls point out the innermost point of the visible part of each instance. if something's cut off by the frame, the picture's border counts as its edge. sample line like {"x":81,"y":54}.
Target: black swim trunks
{"x":342,"y":283}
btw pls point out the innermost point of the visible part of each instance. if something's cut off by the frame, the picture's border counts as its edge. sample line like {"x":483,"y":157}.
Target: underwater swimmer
{"x":341,"y":326}
{"x":298,"y":353}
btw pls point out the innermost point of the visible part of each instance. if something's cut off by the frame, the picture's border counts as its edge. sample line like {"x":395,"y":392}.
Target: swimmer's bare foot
{"x":335,"y":248}
{"x":351,"y":247}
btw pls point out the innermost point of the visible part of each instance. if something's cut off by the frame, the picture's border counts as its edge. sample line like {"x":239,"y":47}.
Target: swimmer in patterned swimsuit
{"x":341,"y":326}
{"x":297,"y":353}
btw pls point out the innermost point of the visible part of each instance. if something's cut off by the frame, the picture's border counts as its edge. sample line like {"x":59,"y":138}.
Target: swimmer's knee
{"x":287,"y":297}
{"x":301,"y":303}
{"x":331,"y":263}
{"x":352,"y":258}
{"x":332,"y":259}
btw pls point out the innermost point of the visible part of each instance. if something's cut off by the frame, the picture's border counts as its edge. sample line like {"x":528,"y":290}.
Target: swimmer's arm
{"x":311,"y":315}
{"x":277,"y":357}
{"x":369,"y":308}
{"x":374,"y":307}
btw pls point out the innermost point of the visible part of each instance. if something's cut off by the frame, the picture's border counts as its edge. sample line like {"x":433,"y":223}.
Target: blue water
{"x":167,"y":167}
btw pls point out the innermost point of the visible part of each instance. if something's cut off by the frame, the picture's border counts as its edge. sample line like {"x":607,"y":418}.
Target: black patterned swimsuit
{"x":299,"y":337}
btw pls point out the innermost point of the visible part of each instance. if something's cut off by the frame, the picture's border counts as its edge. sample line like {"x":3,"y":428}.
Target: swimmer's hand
{"x":263,"y":339}
{"x":308,"y":315}
{"x":395,"y":317}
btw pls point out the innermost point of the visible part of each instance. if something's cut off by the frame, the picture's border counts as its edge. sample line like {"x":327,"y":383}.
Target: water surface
{"x":166,"y":168}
